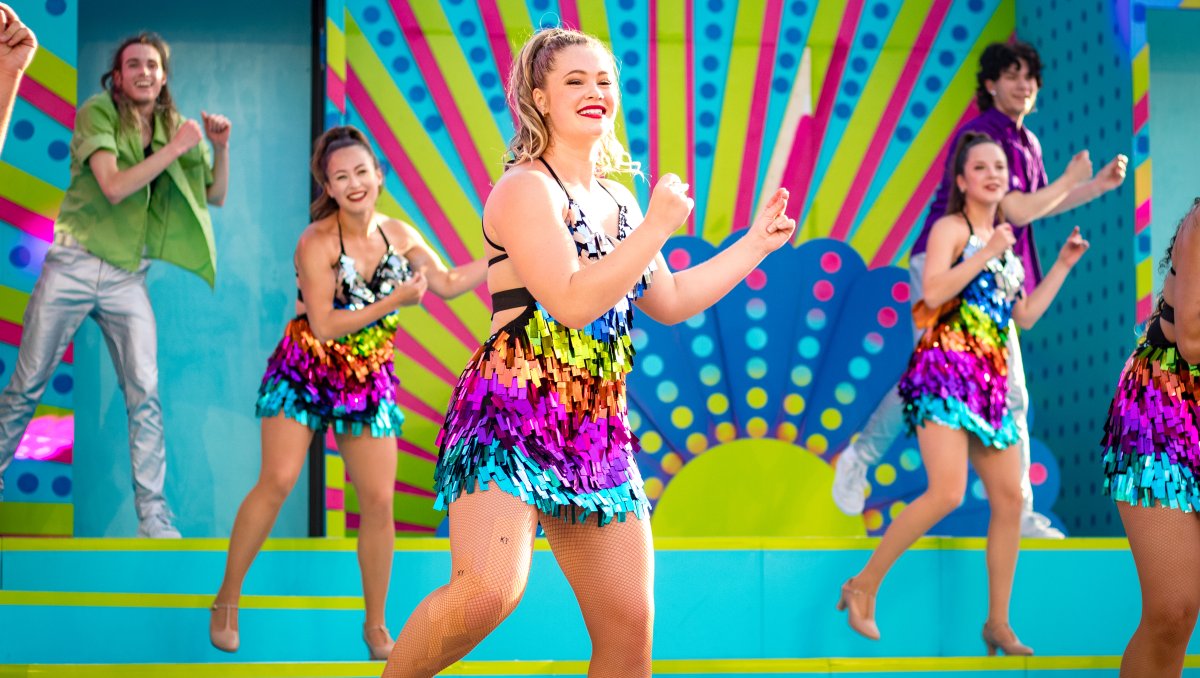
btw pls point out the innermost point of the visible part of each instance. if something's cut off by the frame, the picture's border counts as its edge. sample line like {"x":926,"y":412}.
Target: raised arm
{"x":1025,"y":208}
{"x":675,"y":297}
{"x":444,"y":282}
{"x":1028,"y":310}
{"x":118,"y":184}
{"x":17,"y":46}
{"x":944,"y":279}
{"x":317,"y":284}
{"x":525,"y":210}
{"x":217,"y":128}
{"x":1109,"y":178}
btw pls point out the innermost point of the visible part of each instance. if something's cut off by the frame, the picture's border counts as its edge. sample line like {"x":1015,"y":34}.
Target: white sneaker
{"x":850,"y":483}
{"x":158,"y":525}
{"x":1037,"y":526}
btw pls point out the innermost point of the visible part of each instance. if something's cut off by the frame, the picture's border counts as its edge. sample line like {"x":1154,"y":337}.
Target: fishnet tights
{"x":611,"y":570}
{"x":1166,"y":549}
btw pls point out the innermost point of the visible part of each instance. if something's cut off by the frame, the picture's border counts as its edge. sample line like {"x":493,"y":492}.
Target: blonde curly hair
{"x":529,"y":71}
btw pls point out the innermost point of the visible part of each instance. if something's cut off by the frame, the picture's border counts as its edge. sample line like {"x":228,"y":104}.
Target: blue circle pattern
{"x":62,"y":383}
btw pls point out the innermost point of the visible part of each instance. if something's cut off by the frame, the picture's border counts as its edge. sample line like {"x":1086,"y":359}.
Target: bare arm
{"x":1110,"y":177}
{"x":317,"y":284}
{"x":525,"y":211}
{"x":17,"y":46}
{"x":217,"y":128}
{"x":675,"y":297}
{"x":1186,"y":259}
{"x":119,"y":184}
{"x":944,"y":279}
{"x":444,"y":282}
{"x":1028,"y":310}
{"x":1025,"y":208}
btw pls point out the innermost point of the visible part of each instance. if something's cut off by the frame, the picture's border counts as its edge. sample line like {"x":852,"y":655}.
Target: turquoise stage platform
{"x":725,"y":607}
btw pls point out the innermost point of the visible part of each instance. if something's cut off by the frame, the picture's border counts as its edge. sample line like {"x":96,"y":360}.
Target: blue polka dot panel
{"x":36,"y":482}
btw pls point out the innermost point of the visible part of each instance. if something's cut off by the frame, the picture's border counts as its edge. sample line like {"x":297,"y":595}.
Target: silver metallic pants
{"x":73,"y":285}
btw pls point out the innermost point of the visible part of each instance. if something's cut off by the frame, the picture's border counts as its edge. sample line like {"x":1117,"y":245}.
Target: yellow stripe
{"x":174,"y":600}
{"x":1145,"y":276}
{"x":821,"y":37}
{"x":670,"y":96}
{"x":1141,"y":182}
{"x":30,"y":192}
{"x":12,"y":304}
{"x":54,"y":74}
{"x":735,"y":112}
{"x":57,"y":520}
{"x":1141,"y":73}
{"x":335,"y":48}
{"x":467,"y":95}
{"x":876,"y":94}
{"x":52,"y":411}
{"x":885,"y":211}
{"x":518,"y":26}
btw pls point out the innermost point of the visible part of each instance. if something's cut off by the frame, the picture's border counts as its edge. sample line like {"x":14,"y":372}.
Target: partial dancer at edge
{"x":537,"y":428}
{"x":17,"y":47}
{"x":1009,"y":77}
{"x":1152,"y":463}
{"x":956,"y":386}
{"x":334,"y":368}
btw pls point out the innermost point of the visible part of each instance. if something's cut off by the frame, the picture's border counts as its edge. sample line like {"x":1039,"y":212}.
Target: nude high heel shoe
{"x":224,"y":637}
{"x":1008,"y":642}
{"x":382,"y":650}
{"x":862,"y":622}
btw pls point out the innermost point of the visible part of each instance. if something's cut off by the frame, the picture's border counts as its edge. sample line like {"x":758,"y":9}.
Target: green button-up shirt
{"x":167,"y":219}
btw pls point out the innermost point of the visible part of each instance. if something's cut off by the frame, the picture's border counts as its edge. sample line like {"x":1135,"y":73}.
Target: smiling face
{"x":140,"y":76}
{"x":579,"y":97}
{"x":352,"y":179}
{"x":1015,"y":92}
{"x":984,"y":179}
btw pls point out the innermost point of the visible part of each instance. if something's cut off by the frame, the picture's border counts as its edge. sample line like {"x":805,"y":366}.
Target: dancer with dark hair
{"x":355,"y":268}
{"x":955,"y":390}
{"x":17,"y":46}
{"x":1152,"y":462}
{"x":1009,"y":79}
{"x":140,"y":182}
{"x":537,"y":430}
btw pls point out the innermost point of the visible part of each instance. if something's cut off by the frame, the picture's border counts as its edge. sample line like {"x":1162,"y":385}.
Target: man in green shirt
{"x":17,"y":45}
{"x":140,"y":185}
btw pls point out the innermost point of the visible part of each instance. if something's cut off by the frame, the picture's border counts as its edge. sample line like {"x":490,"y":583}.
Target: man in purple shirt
{"x":1009,"y":77}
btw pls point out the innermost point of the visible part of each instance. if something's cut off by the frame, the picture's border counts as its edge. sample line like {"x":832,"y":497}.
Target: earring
{"x":992,"y":92}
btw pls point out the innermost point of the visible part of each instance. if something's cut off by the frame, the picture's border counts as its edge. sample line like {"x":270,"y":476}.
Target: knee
{"x":636,"y":615}
{"x":376,"y":505}
{"x":273,"y":488}
{"x":945,"y":499}
{"x":1006,"y":501}
{"x":487,"y":601}
{"x":1170,"y":623}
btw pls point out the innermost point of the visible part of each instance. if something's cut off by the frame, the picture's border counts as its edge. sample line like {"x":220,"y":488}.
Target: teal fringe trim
{"x":1149,"y":480}
{"x":953,"y":413}
{"x":516,"y":474}
{"x":280,"y":397}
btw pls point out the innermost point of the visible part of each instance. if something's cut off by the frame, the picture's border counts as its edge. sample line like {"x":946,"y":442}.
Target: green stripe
{"x":30,"y":192}
{"x":54,"y":74}
{"x":50,"y":519}
{"x":670,"y":94}
{"x":174,"y":600}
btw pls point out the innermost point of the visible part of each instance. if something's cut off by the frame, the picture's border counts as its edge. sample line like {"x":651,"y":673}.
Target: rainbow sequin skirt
{"x":958,"y":377}
{"x":1151,"y":440}
{"x":348,"y":384}
{"x":540,"y":412}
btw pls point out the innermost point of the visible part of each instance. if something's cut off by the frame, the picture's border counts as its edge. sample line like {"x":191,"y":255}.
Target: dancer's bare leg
{"x":371,"y":463}
{"x":1000,"y":471}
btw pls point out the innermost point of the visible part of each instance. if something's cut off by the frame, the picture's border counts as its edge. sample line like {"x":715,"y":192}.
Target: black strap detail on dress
{"x":517,"y":297}
{"x":969,"y":226}
{"x":556,"y":179}
{"x":499,"y":257}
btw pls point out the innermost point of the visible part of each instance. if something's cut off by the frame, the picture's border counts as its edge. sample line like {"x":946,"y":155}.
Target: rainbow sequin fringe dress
{"x":347,"y":384}
{"x":1151,"y":444}
{"x":958,"y":374}
{"x":540,"y":412}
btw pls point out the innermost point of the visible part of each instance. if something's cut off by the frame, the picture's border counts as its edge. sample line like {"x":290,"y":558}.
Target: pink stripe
{"x":652,"y":86}
{"x":569,"y":13}
{"x":335,"y":90}
{"x":1142,"y":220}
{"x":407,"y":447}
{"x":493,"y":25}
{"x":891,"y":117}
{"x":330,"y":441}
{"x":440,"y":91}
{"x":353,"y":520}
{"x":335,"y":500}
{"x":1143,"y":308}
{"x":689,"y":103}
{"x":758,"y":116}
{"x":803,"y":146}
{"x":410,"y":402}
{"x":912,"y":210}
{"x":47,"y":102}
{"x":1141,"y":112}
{"x":414,"y":490}
{"x":436,"y":306}
{"x":10,"y":333}
{"x":31,"y":222}
{"x":409,"y":347}
{"x":829,"y":90}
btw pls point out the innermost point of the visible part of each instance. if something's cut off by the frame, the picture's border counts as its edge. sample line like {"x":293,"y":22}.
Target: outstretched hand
{"x":772,"y":228}
{"x":1112,"y":175}
{"x":17,"y":42}
{"x":1073,"y":249}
